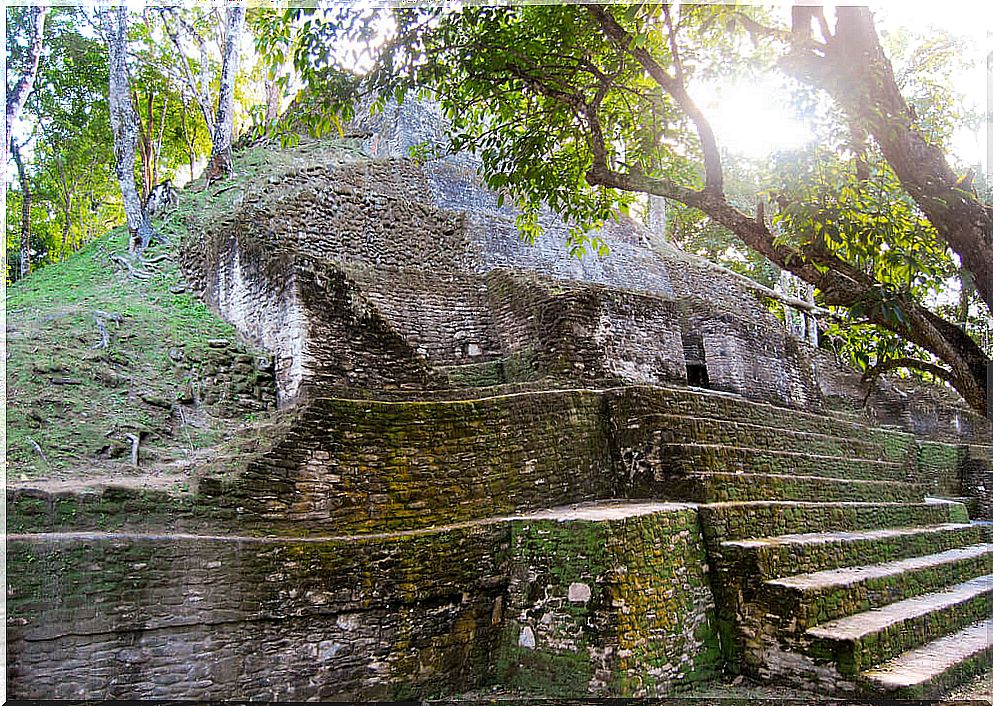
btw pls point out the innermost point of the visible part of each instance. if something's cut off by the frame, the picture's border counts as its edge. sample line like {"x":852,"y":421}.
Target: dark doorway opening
{"x":696,"y":360}
{"x":696,"y":375}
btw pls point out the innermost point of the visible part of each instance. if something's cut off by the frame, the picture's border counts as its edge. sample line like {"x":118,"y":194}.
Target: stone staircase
{"x":740,"y":451}
{"x":832,"y":569}
{"x":876,"y":598}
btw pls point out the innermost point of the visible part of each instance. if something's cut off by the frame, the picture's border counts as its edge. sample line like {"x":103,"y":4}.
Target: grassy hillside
{"x":74,"y":406}
{"x":71,"y":403}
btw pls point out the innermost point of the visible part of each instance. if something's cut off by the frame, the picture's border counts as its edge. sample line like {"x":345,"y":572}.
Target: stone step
{"x":739,"y":520}
{"x":716,"y":405}
{"x":971,"y":503}
{"x":806,"y":600}
{"x":686,"y":458}
{"x":860,"y":641}
{"x":786,"y":555}
{"x":487,"y":373}
{"x":681,"y":429}
{"x":705,"y":487}
{"x":931,"y":670}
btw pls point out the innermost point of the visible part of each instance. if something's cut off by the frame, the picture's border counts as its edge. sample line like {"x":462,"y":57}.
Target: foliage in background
{"x":580,"y":109}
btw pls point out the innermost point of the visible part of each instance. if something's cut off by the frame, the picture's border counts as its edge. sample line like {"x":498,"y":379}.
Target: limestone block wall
{"x":454,"y":184}
{"x":940,"y":466}
{"x":614,"y":605}
{"x":363,"y":465}
{"x":496,"y":241}
{"x":640,"y":338}
{"x":333,"y":221}
{"x":757,"y":361}
{"x":264,"y":307}
{"x":584,"y":331}
{"x":194,"y":617}
{"x":349,"y":343}
{"x":445,"y":317}
{"x":977,"y":479}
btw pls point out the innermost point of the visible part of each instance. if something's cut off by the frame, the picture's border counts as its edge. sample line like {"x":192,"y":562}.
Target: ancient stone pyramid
{"x":499,"y":466}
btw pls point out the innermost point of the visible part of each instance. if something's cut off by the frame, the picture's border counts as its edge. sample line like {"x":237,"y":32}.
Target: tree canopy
{"x":583,"y":108}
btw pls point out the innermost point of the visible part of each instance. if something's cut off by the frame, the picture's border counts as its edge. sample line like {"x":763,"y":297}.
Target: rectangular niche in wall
{"x":696,"y":360}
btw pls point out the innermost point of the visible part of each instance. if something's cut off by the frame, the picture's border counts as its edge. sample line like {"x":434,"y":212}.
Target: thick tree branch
{"x":840,"y":284}
{"x":201,"y":94}
{"x":911,"y":363}
{"x":623,"y":40}
{"x":758,"y":30}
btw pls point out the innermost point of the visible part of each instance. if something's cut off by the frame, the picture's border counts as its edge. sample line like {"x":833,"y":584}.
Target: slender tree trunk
{"x":272,"y":95}
{"x":22,"y":87}
{"x":66,"y":228}
{"x":25,"y":264}
{"x":67,"y":190}
{"x":148,"y":157}
{"x":189,"y":134}
{"x":124,"y":122}
{"x":201,"y":91}
{"x":220,"y":157}
{"x":158,"y":142}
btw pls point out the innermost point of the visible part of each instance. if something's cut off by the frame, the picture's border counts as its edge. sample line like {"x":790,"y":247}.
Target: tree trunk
{"x":124,"y":122}
{"x":220,"y":157}
{"x":853,"y":69}
{"x":25,"y":264}
{"x":189,"y":134}
{"x":66,"y":229}
{"x":272,"y":95}
{"x":840,"y":283}
{"x":20,"y":90}
{"x":145,"y":146}
{"x":158,"y":142}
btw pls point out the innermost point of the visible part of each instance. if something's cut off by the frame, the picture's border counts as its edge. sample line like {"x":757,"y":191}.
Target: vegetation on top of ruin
{"x":583,"y":109}
{"x":98,"y":356}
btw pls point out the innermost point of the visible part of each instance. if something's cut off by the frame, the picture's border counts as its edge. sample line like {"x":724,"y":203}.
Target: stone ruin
{"x":499,"y":466}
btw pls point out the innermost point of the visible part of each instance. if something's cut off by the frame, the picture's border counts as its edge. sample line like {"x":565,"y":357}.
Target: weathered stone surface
{"x":928,"y":671}
{"x":183,"y":616}
{"x":389,"y":538}
{"x":605,"y":609}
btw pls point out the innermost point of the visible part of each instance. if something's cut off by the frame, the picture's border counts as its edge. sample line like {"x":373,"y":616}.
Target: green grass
{"x":52,"y":337}
{"x":82,"y":428}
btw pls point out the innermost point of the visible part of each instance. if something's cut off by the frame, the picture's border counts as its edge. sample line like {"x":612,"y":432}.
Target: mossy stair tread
{"x":981,"y":452}
{"x":821,"y":581}
{"x":777,"y":436}
{"x":746,"y":519}
{"x":816,"y":538}
{"x":777,"y":486}
{"x":746,"y":409}
{"x":788,"y":478}
{"x":926,"y":664}
{"x":856,"y":628}
{"x":881,"y":470}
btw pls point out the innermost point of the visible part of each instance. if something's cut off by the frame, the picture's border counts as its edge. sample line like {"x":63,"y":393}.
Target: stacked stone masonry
{"x":495,"y":466}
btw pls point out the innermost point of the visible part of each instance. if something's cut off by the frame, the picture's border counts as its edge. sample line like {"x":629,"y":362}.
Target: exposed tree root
{"x":135,"y":442}
{"x":101,"y":318}
{"x":37,"y":450}
{"x":136,"y":273}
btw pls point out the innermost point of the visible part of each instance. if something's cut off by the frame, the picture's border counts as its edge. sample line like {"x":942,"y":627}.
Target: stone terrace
{"x":490,"y":469}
